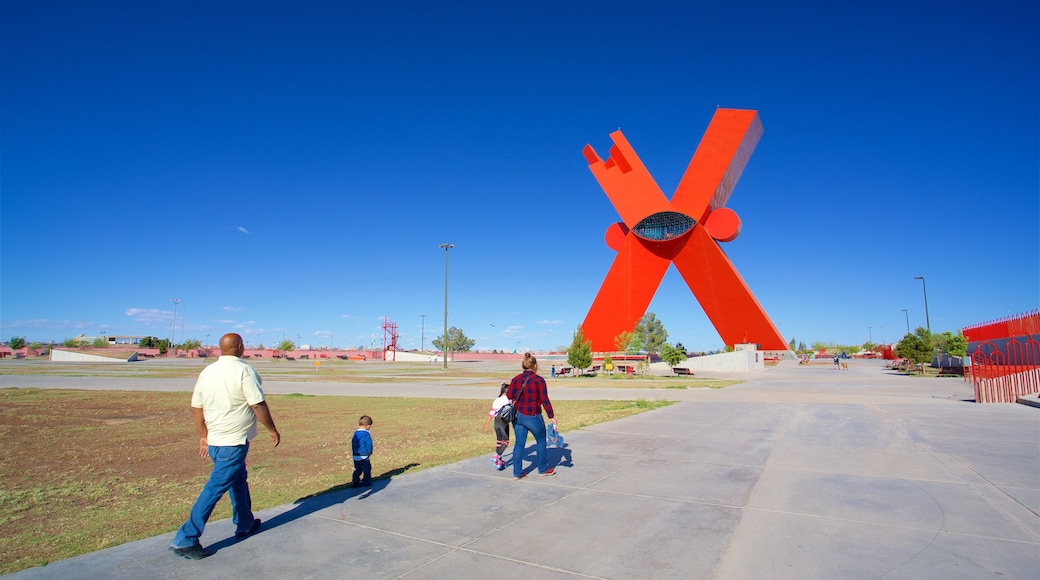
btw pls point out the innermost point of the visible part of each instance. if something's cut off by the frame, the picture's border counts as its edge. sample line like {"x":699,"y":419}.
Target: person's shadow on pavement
{"x":555,"y":457}
{"x":560,"y":457}
{"x":318,"y":501}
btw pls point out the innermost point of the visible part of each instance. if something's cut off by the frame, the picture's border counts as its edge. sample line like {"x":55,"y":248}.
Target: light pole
{"x":870,"y":337}
{"x":907,"y":316}
{"x":173,"y":329}
{"x":422,"y":334}
{"x":927,"y":322}
{"x":445,"y":338}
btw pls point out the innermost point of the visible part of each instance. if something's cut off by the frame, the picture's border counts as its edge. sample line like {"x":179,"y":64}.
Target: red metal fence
{"x":1003,"y":376}
{"x":1026,"y":323}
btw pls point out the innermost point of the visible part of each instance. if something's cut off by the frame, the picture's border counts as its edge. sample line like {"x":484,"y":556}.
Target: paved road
{"x":797,"y":473}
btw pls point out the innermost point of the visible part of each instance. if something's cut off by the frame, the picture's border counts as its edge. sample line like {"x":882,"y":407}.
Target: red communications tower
{"x":389,"y":338}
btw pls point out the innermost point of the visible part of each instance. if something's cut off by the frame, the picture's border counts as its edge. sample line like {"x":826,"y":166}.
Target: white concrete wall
{"x":401,"y":356}
{"x":69,"y":356}
{"x":741,"y":361}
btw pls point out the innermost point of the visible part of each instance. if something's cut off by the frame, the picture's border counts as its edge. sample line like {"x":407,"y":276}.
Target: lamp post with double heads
{"x":173,"y":329}
{"x":927,"y":321}
{"x":907,"y":316}
{"x":422,"y":334}
{"x":445,"y":338}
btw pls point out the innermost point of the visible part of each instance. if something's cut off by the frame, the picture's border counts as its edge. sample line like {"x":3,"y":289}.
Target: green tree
{"x":916,"y":347}
{"x":286,"y":345}
{"x":457,"y":341}
{"x":651,"y":332}
{"x":957,"y":345}
{"x":579,"y":355}
{"x":791,"y":344}
{"x":70,"y":342}
{"x":191,"y":343}
{"x":608,"y":363}
{"x":99,"y":342}
{"x":152,"y":342}
{"x":672,"y":355}
{"x":950,"y":343}
{"x":16,"y":342}
{"x":801,"y":346}
{"x":635,"y":345}
{"x":622,"y":341}
{"x":869,"y":346}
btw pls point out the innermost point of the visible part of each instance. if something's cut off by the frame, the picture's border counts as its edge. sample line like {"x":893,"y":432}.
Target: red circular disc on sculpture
{"x":723,"y":224}
{"x":615,"y":236}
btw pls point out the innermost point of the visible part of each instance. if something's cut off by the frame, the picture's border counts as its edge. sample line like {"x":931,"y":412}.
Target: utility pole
{"x":445,"y":338}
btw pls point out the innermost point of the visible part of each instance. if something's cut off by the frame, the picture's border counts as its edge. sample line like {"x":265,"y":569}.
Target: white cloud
{"x":512,"y":331}
{"x":548,"y":322}
{"x":242,"y":229}
{"x":232,"y":309}
{"x":149,"y":315}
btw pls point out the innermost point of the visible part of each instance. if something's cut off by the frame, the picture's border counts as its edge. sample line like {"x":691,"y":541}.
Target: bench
{"x":950,"y":372}
{"x":682,"y":371}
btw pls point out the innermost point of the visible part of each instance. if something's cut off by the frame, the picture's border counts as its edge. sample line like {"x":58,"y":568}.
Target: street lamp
{"x":422,"y":334}
{"x":445,"y":338}
{"x":907,"y":316}
{"x":927,"y":322}
{"x":870,"y":337}
{"x":173,"y":329}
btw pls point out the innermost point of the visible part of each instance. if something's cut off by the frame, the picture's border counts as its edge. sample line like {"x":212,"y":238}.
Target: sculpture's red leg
{"x":625,"y":295}
{"x":723,"y":294}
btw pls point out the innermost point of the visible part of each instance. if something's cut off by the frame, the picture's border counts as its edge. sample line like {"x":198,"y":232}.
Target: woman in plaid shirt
{"x":529,"y":395}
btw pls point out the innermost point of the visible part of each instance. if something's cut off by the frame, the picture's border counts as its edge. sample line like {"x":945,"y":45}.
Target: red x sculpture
{"x":655,"y":232}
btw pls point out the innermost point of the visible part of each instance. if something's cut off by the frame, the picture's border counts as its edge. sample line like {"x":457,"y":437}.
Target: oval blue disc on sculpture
{"x":665,"y":225}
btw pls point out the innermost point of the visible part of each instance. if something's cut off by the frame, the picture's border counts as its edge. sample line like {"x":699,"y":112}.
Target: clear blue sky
{"x":292,"y":167}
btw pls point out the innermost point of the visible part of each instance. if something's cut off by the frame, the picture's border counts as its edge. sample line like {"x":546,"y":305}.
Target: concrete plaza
{"x":800,"y":472}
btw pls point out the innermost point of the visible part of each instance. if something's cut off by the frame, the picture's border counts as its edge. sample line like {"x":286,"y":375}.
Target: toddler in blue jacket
{"x":361,"y":448}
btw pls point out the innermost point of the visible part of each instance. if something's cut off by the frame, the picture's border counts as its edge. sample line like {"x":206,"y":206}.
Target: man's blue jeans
{"x":535,"y":425}
{"x":228,"y":476}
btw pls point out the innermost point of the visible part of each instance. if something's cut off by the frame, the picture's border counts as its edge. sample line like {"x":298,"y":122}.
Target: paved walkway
{"x":798,"y":473}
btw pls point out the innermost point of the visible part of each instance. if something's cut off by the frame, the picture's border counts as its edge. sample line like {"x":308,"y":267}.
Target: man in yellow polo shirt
{"x":226,"y":404}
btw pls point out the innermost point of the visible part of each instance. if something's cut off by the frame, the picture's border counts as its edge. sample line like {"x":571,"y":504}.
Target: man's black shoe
{"x":252,"y":530}
{"x":195,"y":552}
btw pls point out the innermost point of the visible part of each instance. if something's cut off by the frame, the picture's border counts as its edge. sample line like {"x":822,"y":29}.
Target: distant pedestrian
{"x":554,"y":371}
{"x":529,"y":395}
{"x":837,"y":362}
{"x":501,"y":427}
{"x":361,"y":447}
{"x":226,"y":403}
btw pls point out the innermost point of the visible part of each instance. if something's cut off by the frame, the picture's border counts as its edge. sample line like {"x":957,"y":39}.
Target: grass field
{"x":85,"y":470}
